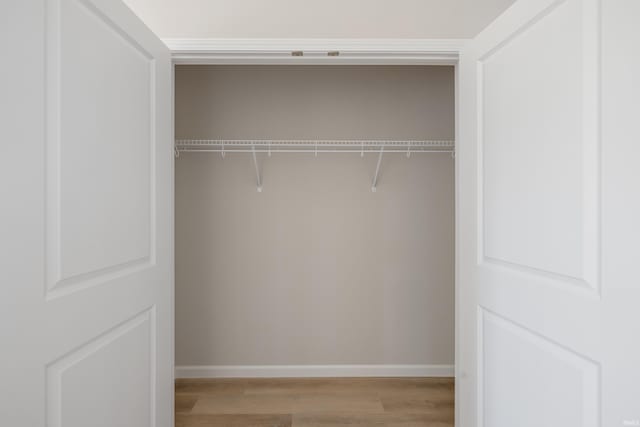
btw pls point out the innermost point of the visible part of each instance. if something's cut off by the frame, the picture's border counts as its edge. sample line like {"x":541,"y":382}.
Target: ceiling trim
{"x":315,"y":51}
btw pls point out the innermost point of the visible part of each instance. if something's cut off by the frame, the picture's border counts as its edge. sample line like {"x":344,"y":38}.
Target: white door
{"x":549,"y":217}
{"x":86,"y":183}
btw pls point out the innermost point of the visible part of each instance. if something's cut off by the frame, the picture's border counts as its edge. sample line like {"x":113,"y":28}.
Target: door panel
{"x":93,"y":374}
{"x":530,"y":306}
{"x":536,"y":146}
{"x":110,"y":140}
{"x":512,"y":391}
{"x":546,"y":278}
{"x":87,"y":252}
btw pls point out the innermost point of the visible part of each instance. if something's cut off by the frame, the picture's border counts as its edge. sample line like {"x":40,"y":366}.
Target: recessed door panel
{"x":101,"y":130}
{"x":109,"y":380}
{"x":537,"y":115}
{"x":530,"y":381}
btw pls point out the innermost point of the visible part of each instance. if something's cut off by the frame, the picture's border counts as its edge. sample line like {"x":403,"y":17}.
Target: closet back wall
{"x":316,"y":269}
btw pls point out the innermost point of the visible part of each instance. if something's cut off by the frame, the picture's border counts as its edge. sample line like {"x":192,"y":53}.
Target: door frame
{"x":339,"y":52}
{"x":315,"y":51}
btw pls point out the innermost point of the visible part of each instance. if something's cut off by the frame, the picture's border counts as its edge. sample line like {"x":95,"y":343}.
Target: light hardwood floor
{"x":322,"y":402}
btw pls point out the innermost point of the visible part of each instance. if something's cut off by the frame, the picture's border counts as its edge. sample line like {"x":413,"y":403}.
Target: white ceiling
{"x":317,"y":18}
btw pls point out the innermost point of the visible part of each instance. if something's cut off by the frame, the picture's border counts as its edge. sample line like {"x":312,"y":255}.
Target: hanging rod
{"x":314,"y":146}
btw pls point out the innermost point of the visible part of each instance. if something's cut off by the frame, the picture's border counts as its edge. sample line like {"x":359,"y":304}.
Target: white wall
{"x":318,"y":19}
{"x":316,"y":269}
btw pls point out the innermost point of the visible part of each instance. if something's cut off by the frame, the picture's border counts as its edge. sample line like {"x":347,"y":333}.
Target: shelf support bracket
{"x":255,"y":164}
{"x":374,"y":185}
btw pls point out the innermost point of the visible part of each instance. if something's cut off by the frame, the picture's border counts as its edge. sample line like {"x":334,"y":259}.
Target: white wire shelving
{"x":362,"y":147}
{"x":313,"y":146}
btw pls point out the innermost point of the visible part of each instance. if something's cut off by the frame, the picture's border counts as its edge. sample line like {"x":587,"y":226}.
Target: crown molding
{"x":315,"y":51}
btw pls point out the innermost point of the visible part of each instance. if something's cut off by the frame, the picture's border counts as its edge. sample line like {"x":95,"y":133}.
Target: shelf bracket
{"x":255,"y":164}
{"x":374,"y":185}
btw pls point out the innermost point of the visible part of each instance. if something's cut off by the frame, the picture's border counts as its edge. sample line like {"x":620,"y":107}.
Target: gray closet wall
{"x":316,"y":269}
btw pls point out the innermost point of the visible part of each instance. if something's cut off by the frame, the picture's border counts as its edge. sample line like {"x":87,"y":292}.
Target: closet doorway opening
{"x":315,"y":241}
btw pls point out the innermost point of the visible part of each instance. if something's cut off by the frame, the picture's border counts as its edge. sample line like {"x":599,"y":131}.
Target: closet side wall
{"x":316,"y":269}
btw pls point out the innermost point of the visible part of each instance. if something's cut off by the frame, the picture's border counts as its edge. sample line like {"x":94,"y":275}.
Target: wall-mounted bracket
{"x":374,"y":185}
{"x":255,"y":164}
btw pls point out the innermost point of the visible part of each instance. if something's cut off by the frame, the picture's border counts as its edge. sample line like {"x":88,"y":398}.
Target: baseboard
{"x":318,"y":371}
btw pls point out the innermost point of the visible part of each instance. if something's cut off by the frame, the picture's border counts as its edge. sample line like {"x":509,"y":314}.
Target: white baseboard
{"x":318,"y":371}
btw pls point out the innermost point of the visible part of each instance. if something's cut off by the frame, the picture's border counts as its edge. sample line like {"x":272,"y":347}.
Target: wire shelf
{"x":313,"y":146}
{"x":380,"y":147}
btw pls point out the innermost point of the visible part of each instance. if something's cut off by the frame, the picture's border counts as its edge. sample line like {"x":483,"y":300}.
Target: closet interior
{"x":314,"y":220}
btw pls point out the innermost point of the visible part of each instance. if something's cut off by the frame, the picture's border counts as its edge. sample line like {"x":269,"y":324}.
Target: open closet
{"x":317,"y":274}
{"x":314,"y":220}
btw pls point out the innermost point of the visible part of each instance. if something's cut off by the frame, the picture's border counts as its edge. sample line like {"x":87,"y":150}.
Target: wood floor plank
{"x":233,"y":420}
{"x":244,"y":405}
{"x":418,"y":406}
{"x":208,"y":386}
{"x":382,"y":386}
{"x":288,"y":403}
{"x":184,"y":403}
{"x":337,"y":403}
{"x":370,"y":420}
